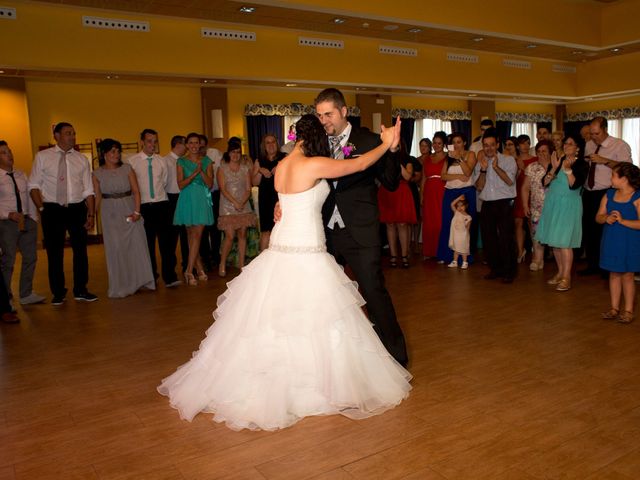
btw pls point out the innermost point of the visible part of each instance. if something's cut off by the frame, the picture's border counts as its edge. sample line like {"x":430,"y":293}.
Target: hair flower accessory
{"x":348,"y":149}
{"x":291,"y":136}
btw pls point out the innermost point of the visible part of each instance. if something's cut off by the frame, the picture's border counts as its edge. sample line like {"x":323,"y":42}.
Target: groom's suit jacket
{"x":357,"y":194}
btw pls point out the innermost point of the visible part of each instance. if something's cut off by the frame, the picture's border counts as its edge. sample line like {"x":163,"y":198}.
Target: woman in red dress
{"x":398,"y":212}
{"x":432,"y":193}
{"x":523,"y":159}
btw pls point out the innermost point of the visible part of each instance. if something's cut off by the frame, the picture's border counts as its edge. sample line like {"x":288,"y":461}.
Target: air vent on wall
{"x":115,"y":24}
{"x":563,"y":68}
{"x":320,"y":42}
{"x":507,"y":62}
{"x":462,"y":57}
{"x":228,"y":34}
{"x":8,"y":13}
{"x":407,"y":52}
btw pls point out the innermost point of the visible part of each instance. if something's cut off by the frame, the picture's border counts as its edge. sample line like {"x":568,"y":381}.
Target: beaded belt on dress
{"x":298,"y":249}
{"x":433,"y":176}
{"x":117,"y":195}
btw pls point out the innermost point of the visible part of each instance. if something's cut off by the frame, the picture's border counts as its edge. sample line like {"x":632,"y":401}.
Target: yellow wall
{"x":520,"y":107}
{"x":562,"y":20}
{"x":160,"y":52}
{"x":14,"y":124}
{"x":426,"y":103}
{"x":614,"y":103}
{"x":116,"y":110}
{"x":620,"y":22}
{"x":613,"y":74}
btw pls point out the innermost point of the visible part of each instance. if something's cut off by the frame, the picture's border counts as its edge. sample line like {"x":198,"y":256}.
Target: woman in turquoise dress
{"x":195,"y":179}
{"x":561,"y":220}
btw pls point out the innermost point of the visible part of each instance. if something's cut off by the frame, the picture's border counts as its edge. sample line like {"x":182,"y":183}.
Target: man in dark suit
{"x":350,"y":215}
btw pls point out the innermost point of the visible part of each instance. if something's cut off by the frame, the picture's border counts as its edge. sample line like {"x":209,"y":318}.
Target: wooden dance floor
{"x":511,"y":382}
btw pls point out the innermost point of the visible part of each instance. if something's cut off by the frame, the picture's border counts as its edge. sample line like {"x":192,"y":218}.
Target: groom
{"x":350,"y":215}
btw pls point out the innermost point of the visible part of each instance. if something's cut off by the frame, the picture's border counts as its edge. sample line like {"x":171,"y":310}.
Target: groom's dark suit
{"x":358,"y":244}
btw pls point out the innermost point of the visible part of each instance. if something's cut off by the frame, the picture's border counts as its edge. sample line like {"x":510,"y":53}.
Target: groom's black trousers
{"x":365,"y":264}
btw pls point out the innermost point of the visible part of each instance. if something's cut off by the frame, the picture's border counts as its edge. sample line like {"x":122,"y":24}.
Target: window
{"x":425,"y":128}
{"x":526,"y":128}
{"x":627,"y":129}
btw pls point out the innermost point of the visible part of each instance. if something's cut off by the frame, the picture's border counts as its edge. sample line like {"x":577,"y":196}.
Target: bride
{"x":290,"y":339}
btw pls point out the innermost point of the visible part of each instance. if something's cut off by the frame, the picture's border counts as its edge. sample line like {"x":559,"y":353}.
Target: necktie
{"x":336,"y":148}
{"x":151,"y":192}
{"x":591,"y":179}
{"x":61,"y":190}
{"x":15,"y":189}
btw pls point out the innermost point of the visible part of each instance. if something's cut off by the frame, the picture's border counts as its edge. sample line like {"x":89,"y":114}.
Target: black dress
{"x":267,"y":195}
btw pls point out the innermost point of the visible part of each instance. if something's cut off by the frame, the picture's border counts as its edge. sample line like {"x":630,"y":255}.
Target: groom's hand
{"x":277,"y":213}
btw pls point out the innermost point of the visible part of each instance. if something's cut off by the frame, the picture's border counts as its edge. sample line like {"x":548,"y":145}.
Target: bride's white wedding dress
{"x":289,"y":338}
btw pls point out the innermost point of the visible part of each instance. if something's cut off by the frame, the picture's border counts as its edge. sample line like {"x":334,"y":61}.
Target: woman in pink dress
{"x":432,"y":193}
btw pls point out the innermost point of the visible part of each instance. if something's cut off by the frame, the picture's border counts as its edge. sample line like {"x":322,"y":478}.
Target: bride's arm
{"x":322,"y":167}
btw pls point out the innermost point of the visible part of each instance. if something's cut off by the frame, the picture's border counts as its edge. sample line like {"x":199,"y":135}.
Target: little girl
{"x":620,"y":247}
{"x":459,"y":237}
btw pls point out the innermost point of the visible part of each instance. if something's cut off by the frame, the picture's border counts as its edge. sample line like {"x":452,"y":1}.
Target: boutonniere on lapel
{"x":348,"y":149}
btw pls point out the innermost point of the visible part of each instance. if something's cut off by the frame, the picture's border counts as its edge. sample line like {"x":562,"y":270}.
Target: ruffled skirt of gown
{"x":289,"y":340}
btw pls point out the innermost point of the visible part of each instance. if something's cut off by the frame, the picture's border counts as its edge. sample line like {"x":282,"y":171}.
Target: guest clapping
{"x":195,"y":179}
{"x":561,"y":220}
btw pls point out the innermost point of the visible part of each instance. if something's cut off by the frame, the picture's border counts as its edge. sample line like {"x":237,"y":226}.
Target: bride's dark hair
{"x":311,"y":132}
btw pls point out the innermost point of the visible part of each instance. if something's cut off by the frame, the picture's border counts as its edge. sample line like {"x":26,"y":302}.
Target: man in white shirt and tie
{"x":178,"y":149}
{"x":603,"y":151}
{"x":18,"y":227}
{"x":210,"y":244}
{"x":62,"y":191}
{"x":152,"y":174}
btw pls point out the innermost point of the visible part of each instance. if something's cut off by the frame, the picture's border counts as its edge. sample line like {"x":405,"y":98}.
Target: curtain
{"x":406,"y":132}
{"x":504,"y":130}
{"x":258,"y":126}
{"x":573,"y":128}
{"x":463,"y":127}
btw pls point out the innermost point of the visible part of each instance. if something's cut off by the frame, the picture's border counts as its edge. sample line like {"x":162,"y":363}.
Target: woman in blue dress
{"x":561,"y":220}
{"x":195,"y":179}
{"x":620,"y":246}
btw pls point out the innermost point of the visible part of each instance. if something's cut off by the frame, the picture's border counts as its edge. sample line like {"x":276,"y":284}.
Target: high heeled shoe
{"x":190,"y":279}
{"x":222,"y":270}
{"x":521,"y":256}
{"x":202,"y":276}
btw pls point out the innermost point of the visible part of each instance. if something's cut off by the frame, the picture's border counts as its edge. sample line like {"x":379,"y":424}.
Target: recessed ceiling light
{"x":419,"y":91}
{"x":473,"y":95}
{"x":615,"y":50}
{"x":365,"y":25}
{"x":390,"y":27}
{"x":291,"y":85}
{"x":478,"y":39}
{"x":208,"y":81}
{"x":112,"y":77}
{"x":339,"y":20}
{"x":414,"y":30}
{"x":577,"y":52}
{"x":1,"y":71}
{"x":361,"y":88}
{"x":532,"y":45}
{"x":247,"y":9}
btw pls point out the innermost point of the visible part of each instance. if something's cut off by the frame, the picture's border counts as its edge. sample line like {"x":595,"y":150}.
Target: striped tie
{"x":336,"y":148}
{"x":61,"y":189}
